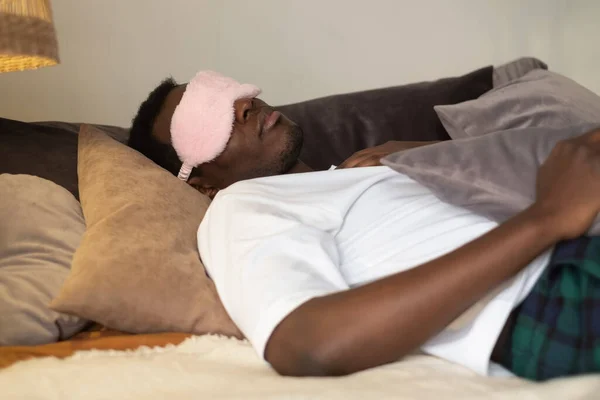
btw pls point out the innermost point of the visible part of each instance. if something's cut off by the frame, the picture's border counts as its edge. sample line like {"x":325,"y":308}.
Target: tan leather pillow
{"x":137,"y":268}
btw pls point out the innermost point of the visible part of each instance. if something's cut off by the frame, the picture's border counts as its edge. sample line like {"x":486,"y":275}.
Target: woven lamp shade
{"x":27,"y":35}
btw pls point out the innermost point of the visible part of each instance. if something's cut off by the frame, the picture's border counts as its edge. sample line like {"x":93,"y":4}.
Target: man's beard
{"x":286,"y":160}
{"x":289,"y":157}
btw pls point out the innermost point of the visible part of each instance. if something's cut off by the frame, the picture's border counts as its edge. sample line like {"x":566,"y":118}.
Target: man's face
{"x":262,"y":143}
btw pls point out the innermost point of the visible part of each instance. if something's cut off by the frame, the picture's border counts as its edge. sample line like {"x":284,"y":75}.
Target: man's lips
{"x":270,"y":121}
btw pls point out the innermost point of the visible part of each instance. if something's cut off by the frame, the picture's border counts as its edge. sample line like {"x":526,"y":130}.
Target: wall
{"x":114,"y":52}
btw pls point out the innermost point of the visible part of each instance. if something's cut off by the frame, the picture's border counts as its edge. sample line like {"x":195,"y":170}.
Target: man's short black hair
{"x":140,"y":134}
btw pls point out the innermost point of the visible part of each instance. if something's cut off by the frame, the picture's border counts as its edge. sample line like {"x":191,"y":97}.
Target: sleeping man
{"x":334,"y":272}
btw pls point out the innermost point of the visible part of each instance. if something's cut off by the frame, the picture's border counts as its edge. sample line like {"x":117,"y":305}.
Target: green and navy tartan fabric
{"x":557,"y":327}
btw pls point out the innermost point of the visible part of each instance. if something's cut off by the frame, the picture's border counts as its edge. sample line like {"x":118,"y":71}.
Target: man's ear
{"x":200,"y":184}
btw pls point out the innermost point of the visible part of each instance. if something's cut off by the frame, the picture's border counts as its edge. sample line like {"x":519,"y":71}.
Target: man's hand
{"x":568,"y":184}
{"x":371,"y":157}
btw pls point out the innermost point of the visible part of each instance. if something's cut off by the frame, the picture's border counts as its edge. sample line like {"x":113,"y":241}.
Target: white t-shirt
{"x":271,"y":244}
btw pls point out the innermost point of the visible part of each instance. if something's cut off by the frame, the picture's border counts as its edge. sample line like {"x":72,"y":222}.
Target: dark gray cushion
{"x":47,"y":152}
{"x":336,"y":127}
{"x":45,"y":149}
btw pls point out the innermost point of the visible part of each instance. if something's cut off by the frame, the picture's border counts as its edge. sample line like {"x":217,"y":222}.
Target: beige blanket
{"x":209,"y":367}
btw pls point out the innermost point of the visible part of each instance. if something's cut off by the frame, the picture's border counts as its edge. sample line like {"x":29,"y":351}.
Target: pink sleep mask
{"x":202,"y":122}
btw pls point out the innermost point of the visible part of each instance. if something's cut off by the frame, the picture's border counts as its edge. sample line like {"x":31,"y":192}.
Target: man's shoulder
{"x":308,"y":180}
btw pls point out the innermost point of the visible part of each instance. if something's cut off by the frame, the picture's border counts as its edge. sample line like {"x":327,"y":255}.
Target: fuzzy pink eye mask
{"x":202,"y":122}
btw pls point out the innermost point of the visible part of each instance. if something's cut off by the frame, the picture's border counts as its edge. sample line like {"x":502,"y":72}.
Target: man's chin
{"x":290,"y":157}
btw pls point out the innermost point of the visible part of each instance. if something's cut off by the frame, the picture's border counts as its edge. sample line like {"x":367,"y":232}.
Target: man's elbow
{"x":300,"y":360}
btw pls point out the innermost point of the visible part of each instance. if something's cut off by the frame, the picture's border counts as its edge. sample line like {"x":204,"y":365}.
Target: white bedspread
{"x":209,"y":367}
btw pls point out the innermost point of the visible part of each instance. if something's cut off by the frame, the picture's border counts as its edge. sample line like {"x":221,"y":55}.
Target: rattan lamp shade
{"x":27,"y":36}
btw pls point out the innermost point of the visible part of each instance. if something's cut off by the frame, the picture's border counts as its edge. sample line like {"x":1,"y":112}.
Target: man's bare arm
{"x":383,"y":321}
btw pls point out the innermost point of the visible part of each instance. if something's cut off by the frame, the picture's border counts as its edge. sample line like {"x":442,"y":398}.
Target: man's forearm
{"x":383,"y":321}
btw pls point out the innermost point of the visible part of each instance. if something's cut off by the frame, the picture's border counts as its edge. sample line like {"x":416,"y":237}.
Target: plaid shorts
{"x":557,"y":327}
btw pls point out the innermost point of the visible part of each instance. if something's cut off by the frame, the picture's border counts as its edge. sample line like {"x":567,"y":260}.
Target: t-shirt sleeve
{"x":267,"y":258}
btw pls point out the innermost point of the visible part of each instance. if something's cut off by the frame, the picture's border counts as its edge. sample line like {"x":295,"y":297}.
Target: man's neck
{"x":299,"y":168}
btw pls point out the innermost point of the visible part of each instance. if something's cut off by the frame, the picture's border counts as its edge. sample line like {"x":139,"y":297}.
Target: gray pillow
{"x":492,"y":175}
{"x":41,"y":225}
{"x":538,"y":99}
{"x":515,"y":69}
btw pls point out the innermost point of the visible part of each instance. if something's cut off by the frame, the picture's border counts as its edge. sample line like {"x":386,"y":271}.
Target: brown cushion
{"x":137,"y":268}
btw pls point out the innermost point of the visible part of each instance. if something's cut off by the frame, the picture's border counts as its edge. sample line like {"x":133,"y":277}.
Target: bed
{"x":124,"y":357}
